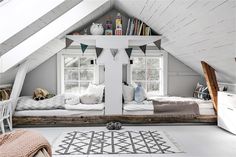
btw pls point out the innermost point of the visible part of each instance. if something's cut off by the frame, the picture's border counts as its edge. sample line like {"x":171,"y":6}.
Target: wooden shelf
{"x":132,"y":40}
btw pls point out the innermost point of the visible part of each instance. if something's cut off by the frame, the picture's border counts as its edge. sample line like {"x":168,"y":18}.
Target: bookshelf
{"x":133,"y":40}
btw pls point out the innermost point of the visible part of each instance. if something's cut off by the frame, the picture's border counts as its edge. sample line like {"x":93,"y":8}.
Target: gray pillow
{"x":89,"y":99}
{"x":139,"y":94}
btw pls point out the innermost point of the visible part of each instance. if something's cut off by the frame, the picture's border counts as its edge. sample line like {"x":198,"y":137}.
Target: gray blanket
{"x":176,"y":107}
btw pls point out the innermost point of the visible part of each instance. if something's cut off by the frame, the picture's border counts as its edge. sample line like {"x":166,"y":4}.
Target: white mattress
{"x":133,"y":108}
{"x":58,"y":113}
{"x":85,"y":107}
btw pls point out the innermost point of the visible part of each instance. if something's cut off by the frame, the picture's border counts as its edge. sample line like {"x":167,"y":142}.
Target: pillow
{"x":128,"y":93}
{"x":201,"y":92}
{"x":139,"y":94}
{"x":72,"y":99}
{"x":96,"y":90}
{"x":27,"y":103}
{"x":89,"y":99}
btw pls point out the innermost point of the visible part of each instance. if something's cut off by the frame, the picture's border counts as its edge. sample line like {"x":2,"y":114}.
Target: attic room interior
{"x":118,"y":78}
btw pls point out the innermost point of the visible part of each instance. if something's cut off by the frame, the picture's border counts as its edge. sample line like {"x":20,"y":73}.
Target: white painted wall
{"x":44,"y":76}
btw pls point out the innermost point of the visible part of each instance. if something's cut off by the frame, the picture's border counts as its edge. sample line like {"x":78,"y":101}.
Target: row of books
{"x":137,"y":27}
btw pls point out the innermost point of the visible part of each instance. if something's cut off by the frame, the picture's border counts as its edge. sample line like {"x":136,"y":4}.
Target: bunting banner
{"x":68,"y":42}
{"x":114,"y":52}
{"x":143,"y":48}
{"x":83,"y":47}
{"x":98,"y":51}
{"x":158,"y":44}
{"x":128,"y":51}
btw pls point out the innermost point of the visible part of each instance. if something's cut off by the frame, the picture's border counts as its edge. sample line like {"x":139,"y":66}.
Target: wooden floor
{"x":124,"y":119}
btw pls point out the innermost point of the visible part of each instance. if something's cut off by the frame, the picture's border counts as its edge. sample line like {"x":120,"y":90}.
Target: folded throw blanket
{"x":176,"y":107}
{"x":22,"y":143}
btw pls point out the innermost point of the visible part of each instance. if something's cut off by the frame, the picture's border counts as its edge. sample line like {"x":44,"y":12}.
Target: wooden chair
{"x":5,"y":114}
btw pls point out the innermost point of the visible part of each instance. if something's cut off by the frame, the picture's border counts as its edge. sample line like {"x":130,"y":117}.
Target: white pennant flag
{"x":114,"y":53}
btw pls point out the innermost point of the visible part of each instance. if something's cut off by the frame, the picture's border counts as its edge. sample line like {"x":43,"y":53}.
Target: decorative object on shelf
{"x":76,"y":33}
{"x":118,"y":30}
{"x":96,"y":29}
{"x":114,"y":53}
{"x":98,"y":51}
{"x":68,"y":42}
{"x":83,"y":47}
{"x":143,"y":48}
{"x":85,"y":31}
{"x":108,"y":26}
{"x":128,"y":51}
{"x":158,"y":44}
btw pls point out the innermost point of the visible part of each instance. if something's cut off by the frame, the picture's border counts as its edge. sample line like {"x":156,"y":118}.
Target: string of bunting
{"x":114,"y":52}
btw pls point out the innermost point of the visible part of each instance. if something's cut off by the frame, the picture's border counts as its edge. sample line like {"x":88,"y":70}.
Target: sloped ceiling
{"x":194,"y":30}
{"x":55,"y":45}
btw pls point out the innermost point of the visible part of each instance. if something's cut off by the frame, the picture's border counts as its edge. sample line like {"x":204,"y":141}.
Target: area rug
{"x":114,"y":142}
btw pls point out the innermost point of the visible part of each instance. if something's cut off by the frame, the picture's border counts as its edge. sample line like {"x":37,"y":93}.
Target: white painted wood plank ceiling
{"x":194,"y":30}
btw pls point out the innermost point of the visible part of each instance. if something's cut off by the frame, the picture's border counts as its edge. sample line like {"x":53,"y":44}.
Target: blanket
{"x":176,"y":107}
{"x":22,"y":143}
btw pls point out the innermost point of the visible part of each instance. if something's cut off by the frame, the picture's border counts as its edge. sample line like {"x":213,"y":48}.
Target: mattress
{"x":133,"y":108}
{"x":85,"y":107}
{"x":58,"y":113}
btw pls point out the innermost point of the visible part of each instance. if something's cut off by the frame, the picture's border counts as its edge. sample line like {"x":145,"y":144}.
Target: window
{"x":78,"y":73}
{"x":148,"y":71}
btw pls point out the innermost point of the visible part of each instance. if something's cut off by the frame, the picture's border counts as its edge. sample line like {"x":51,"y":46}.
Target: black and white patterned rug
{"x":114,"y":142}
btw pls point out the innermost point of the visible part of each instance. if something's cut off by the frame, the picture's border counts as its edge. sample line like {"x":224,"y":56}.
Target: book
{"x":128,"y":27}
{"x":140,"y":28}
{"x":147,"y":31}
{"x":144,"y":29}
{"x":131,"y":26}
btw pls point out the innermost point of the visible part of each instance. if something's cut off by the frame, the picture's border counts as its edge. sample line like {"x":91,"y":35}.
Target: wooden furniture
{"x":212,"y":84}
{"x":5,"y":114}
{"x":227,"y":111}
{"x":102,"y":120}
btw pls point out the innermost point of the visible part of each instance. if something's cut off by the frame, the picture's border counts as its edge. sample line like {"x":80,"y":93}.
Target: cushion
{"x":72,"y":99}
{"x":89,"y":99}
{"x":128,"y":93}
{"x":139,"y":94}
{"x":96,"y":90}
{"x":27,"y":103}
{"x":201,"y":92}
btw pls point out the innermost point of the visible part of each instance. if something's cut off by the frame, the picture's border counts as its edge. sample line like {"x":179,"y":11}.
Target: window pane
{"x":138,"y":63}
{"x":153,"y":63}
{"x":83,"y":86}
{"x":152,"y":87}
{"x":152,"y":74}
{"x":86,"y":74}
{"x":71,"y":61}
{"x":72,"y":87}
{"x":71,"y":75}
{"x":138,"y":75}
{"x":85,"y":62}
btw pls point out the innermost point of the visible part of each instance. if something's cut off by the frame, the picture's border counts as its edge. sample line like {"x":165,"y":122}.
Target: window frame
{"x":61,"y":69}
{"x":163,"y":70}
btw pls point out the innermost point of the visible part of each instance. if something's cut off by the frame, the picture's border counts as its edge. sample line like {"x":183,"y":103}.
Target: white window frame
{"x":60,"y":66}
{"x":163,"y":75}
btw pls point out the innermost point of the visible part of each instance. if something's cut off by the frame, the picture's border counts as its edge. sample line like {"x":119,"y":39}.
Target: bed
{"x":56,"y":107}
{"x":148,"y":108}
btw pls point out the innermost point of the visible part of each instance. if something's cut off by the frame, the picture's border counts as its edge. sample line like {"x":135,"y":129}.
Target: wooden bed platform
{"x":101,"y":120}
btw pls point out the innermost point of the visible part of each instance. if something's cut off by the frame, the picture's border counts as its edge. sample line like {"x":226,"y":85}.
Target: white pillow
{"x":128,"y":93}
{"x":89,"y":99}
{"x":72,"y":99}
{"x":96,"y":90}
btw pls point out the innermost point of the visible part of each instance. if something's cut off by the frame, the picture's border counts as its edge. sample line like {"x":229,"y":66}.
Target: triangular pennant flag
{"x":98,"y":51}
{"x":129,"y":51}
{"x":158,"y":44}
{"x":83,"y":47}
{"x":114,"y":52}
{"x":143,"y":48}
{"x":68,"y":42}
